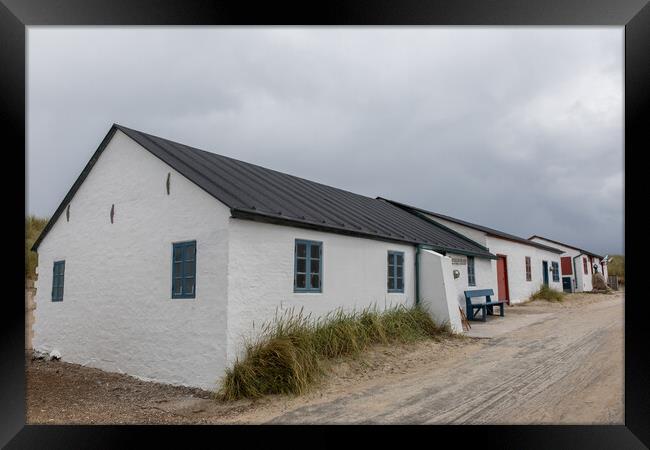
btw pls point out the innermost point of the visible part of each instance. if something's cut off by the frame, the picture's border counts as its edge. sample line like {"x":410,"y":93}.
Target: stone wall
{"x":30,"y":305}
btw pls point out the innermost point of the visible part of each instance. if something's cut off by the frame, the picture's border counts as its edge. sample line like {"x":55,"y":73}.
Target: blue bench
{"x":486,"y":308}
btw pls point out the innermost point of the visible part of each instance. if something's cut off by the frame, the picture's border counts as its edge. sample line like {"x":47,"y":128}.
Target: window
{"x":555,"y":267}
{"x":471,"y":277}
{"x":395,"y":271}
{"x":184,"y":269}
{"x":58,"y":272}
{"x":584,"y":266}
{"x":529,"y":275}
{"x":308,"y":266}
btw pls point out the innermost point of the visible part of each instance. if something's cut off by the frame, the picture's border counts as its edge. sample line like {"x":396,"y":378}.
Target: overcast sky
{"x":519,"y":129}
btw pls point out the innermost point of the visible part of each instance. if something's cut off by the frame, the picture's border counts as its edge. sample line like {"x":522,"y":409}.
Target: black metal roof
{"x":586,"y":252}
{"x":256,"y":193}
{"x":490,"y":231}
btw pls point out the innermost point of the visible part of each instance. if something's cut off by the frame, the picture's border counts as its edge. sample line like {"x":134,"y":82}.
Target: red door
{"x":502,"y":279}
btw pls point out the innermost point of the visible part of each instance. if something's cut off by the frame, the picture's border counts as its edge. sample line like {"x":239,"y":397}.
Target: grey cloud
{"x":516,"y":128}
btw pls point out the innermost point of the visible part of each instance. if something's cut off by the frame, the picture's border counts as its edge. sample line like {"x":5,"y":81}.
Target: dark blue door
{"x":545,"y":270}
{"x":566,"y":284}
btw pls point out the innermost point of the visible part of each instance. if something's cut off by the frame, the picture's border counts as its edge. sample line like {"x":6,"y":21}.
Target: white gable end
{"x":117,"y":312}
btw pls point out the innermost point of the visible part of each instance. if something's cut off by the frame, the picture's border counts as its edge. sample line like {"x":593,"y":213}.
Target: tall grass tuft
{"x":289,"y":354}
{"x":547,"y":293}
{"x":33,"y":228}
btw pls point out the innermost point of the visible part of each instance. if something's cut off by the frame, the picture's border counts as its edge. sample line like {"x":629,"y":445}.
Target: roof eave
{"x":584,"y":252}
{"x":80,"y":179}
{"x":531,"y":244}
{"x":422,"y":216}
{"x":423,"y":213}
{"x":260,"y":216}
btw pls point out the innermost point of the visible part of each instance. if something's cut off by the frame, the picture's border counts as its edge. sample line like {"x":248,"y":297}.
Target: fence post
{"x":613,"y":282}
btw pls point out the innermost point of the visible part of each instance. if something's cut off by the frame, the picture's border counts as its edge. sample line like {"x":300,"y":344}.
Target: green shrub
{"x":289,"y":353}
{"x":547,"y":293}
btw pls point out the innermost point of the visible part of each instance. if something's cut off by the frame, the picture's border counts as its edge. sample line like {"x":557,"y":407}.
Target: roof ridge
{"x":255,"y":192}
{"x":245,"y":162}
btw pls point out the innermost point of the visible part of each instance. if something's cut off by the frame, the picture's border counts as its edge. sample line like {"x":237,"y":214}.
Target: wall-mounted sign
{"x":459,"y":261}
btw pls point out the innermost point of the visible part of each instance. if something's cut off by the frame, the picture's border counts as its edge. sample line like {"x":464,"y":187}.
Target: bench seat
{"x":486,"y":308}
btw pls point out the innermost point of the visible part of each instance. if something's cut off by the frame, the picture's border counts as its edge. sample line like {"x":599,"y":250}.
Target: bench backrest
{"x":478,"y":293}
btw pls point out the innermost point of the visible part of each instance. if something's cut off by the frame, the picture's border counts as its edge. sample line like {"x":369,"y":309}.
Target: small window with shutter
{"x":184,"y":269}
{"x":308,"y":265}
{"x":395,"y":271}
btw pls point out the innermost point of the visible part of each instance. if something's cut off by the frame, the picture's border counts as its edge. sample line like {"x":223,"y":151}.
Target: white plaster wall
{"x":117,"y":313}
{"x":261,"y":268}
{"x":484,"y":275}
{"x":520,"y":289}
{"x":601,"y":267}
{"x":582,"y":281}
{"x":438,"y":292}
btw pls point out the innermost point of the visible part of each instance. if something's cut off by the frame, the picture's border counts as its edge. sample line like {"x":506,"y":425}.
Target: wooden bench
{"x":486,"y":308}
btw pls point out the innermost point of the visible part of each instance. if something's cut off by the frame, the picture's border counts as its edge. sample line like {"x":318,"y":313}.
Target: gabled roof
{"x":586,"y":252}
{"x":489,"y":231}
{"x":256,"y":193}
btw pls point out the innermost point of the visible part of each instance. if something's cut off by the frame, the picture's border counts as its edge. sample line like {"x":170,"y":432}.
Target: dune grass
{"x":617,"y":267}
{"x":290,"y":352}
{"x":547,"y":293}
{"x":33,"y":227}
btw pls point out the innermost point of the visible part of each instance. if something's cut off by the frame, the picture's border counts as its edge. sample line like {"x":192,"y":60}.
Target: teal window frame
{"x":556,"y":271}
{"x":471,"y":271}
{"x":308,"y":272}
{"x":395,"y":272}
{"x":184,"y":269}
{"x":58,"y":280}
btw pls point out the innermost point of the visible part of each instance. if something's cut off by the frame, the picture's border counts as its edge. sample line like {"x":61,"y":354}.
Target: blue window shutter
{"x":556,"y":271}
{"x":471,"y":274}
{"x":184,"y":269}
{"x":58,"y":276}
{"x":395,"y":271}
{"x":308,"y":266}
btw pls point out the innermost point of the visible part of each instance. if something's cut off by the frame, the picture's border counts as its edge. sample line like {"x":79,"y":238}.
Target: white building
{"x":521,"y":267}
{"x":577,"y":265}
{"x":162,"y":259}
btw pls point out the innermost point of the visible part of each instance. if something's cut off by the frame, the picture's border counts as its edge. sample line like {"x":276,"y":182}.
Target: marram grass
{"x":547,"y":293}
{"x":289,"y":354}
{"x":33,"y":227}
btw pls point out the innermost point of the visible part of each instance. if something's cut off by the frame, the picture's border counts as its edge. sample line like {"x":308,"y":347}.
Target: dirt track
{"x":566,"y":368}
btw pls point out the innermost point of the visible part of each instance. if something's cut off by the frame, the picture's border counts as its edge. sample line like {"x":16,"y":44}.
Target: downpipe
{"x":417,"y":275}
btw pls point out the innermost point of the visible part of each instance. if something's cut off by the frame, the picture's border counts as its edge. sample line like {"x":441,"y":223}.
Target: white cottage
{"x":577,"y":265}
{"x":521,"y":267}
{"x":162,"y":258}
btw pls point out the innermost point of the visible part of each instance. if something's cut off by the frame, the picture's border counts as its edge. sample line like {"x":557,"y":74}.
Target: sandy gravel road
{"x":566,"y":367}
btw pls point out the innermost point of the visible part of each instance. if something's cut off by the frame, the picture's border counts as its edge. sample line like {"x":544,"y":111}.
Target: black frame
{"x":15,"y":15}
